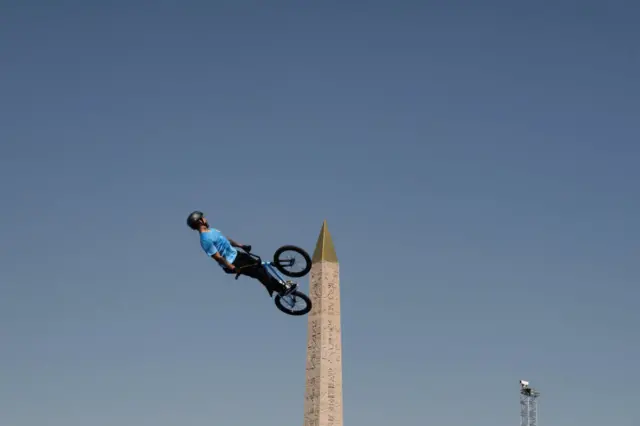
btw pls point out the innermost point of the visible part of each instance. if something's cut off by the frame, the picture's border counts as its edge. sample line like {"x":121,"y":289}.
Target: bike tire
{"x":298,"y":294}
{"x":298,"y":250}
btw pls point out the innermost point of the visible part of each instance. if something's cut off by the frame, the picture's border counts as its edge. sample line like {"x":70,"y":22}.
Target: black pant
{"x":258,"y":272}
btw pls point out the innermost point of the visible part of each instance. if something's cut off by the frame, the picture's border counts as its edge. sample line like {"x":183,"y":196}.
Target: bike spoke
{"x":292,"y":303}
{"x":293,"y":260}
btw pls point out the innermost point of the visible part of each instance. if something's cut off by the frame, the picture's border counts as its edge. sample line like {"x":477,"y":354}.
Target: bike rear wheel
{"x":288,"y":303}
{"x":292,"y":261}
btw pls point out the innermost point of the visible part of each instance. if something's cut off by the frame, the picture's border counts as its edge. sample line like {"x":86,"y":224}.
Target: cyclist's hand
{"x":247,"y":248}
{"x":231,"y":267}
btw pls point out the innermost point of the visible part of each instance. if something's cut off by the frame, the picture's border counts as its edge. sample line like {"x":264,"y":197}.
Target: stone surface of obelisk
{"x":323,"y":393}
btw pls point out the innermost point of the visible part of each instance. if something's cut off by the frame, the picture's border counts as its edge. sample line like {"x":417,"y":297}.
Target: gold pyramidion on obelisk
{"x":323,"y":393}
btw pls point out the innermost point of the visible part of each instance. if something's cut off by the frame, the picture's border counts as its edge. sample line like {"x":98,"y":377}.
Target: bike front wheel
{"x":292,"y":261}
{"x":297,"y":303}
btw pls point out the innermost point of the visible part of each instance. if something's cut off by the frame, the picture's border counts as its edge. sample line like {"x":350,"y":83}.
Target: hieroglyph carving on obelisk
{"x":323,"y":395}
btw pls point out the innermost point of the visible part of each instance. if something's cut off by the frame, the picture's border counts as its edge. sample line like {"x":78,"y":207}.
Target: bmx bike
{"x":287,"y":301}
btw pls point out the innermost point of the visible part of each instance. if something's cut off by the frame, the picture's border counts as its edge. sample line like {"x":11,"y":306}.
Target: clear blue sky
{"x":477,"y":162}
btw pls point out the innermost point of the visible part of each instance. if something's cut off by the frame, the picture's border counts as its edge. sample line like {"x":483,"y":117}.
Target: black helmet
{"x":194,"y":220}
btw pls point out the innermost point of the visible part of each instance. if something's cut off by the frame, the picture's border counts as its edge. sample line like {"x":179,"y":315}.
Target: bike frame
{"x":266,"y":265}
{"x":289,"y":297}
{"x":273,"y":271}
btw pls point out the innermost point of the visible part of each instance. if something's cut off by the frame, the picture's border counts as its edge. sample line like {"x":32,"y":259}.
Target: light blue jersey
{"x":212,"y":242}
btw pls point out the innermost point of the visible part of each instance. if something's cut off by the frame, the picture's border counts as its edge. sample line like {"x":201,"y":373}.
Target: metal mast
{"x":528,"y":404}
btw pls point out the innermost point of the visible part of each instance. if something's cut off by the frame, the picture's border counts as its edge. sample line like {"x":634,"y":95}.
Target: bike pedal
{"x":290,"y":288}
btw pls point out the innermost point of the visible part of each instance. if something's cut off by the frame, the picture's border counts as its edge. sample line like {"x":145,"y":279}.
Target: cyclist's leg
{"x":258,"y":273}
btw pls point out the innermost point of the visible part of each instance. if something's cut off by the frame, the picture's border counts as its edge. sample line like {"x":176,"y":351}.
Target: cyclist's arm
{"x":221,"y":260}
{"x":235,"y":243}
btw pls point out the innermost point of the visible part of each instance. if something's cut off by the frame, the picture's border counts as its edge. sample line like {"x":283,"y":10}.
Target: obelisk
{"x":323,"y":393}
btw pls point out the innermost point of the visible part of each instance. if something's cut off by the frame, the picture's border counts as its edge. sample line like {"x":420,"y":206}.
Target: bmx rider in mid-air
{"x":223,"y":250}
